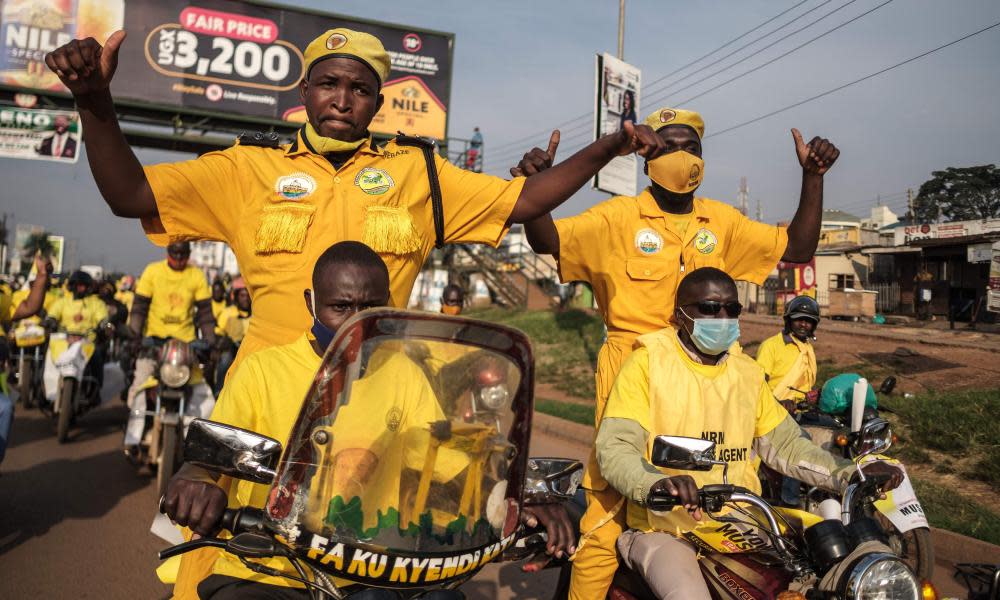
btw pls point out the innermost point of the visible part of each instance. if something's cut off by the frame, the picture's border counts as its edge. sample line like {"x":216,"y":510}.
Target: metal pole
{"x":621,"y":29}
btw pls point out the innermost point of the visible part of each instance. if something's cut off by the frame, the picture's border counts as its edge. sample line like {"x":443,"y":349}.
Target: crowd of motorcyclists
{"x":662,"y":266}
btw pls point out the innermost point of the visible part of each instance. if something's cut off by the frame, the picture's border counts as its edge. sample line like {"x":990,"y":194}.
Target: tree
{"x":959,"y":194}
{"x":36,"y":243}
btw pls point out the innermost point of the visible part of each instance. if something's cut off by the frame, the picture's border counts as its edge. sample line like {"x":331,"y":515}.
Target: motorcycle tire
{"x":67,"y":389}
{"x":25,"y":383}
{"x":167,"y":461}
{"x":914,"y":547}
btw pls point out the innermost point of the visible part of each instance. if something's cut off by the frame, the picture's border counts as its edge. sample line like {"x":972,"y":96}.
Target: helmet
{"x":80,"y":278}
{"x":802,"y":307}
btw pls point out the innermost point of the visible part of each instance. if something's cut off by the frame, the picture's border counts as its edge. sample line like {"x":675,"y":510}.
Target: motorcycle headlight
{"x":173,"y":375}
{"x":882,"y":577}
{"x":494,"y":397}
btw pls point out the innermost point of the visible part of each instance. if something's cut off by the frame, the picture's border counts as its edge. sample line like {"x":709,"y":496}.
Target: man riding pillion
{"x":633,"y":251}
{"x":683,"y":381}
{"x":171,"y":297}
{"x":279,"y":207}
{"x":264,"y":394}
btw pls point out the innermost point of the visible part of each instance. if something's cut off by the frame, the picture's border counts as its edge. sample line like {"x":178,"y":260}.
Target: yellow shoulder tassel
{"x":390,"y":230}
{"x":283,"y":228}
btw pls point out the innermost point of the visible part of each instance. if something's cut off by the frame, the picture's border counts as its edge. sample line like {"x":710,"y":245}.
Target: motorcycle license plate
{"x":901,"y":506}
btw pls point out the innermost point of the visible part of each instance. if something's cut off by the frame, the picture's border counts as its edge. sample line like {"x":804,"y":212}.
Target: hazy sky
{"x":522,"y":67}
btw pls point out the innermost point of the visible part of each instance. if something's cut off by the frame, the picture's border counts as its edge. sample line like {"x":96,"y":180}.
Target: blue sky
{"x":522,"y":67}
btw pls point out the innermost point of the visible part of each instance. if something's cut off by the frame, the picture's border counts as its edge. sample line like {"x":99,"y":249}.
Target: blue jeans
{"x":6,"y":418}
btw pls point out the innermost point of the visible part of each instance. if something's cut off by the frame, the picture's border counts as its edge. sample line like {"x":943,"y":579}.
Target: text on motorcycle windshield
{"x":411,"y":445}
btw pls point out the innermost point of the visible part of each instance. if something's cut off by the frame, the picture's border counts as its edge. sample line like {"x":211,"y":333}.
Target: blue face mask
{"x":714,"y":336}
{"x":323,"y":334}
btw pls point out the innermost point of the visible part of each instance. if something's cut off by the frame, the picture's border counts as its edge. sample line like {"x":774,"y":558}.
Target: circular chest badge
{"x":705,"y":241}
{"x":295,"y":186}
{"x":648,"y":241}
{"x":373,"y":181}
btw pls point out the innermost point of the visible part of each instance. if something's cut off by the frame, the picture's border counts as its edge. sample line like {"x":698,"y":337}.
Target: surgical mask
{"x":678,"y":172}
{"x":714,"y":336}
{"x":322,"y":333}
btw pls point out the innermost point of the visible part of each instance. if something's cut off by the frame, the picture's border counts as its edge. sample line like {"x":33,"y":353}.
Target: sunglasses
{"x":714,"y":307}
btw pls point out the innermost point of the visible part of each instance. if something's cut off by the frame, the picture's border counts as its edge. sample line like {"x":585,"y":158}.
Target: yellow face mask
{"x":678,"y":172}
{"x":450,"y":310}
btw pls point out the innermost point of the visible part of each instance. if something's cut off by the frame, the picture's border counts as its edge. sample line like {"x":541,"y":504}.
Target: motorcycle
{"x":751,"y":550}
{"x":71,"y":387}
{"x":900,"y":515}
{"x":381,"y":483}
{"x":166,"y":401}
{"x":31,"y":340}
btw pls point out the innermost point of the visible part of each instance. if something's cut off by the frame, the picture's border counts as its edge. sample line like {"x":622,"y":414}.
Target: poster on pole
{"x":617,"y":101}
{"x":229,"y":58}
{"x":37,"y":134}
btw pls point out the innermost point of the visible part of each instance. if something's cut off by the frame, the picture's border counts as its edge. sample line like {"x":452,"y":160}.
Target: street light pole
{"x":621,"y":29}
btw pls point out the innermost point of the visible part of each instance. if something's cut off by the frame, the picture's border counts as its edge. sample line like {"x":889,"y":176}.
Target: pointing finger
{"x":553,"y":144}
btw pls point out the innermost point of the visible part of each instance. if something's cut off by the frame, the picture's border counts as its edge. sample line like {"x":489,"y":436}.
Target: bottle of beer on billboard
{"x":29,"y":29}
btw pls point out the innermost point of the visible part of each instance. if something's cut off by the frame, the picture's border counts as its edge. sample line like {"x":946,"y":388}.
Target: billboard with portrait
{"x":617,"y":102}
{"x":224,"y":57}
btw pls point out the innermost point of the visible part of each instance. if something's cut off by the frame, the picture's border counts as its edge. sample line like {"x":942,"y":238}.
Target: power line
{"x":775,"y":59}
{"x":849,"y":84}
{"x":589,"y":114}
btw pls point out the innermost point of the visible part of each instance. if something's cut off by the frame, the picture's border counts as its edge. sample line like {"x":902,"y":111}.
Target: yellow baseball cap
{"x":342,"y":42}
{"x":662,"y":117}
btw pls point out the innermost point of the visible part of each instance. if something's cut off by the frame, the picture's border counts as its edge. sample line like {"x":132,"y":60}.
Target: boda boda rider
{"x":789,"y":364}
{"x":233,"y":322}
{"x":219,"y":303}
{"x":31,"y":299}
{"x":682,"y":381}
{"x":633,"y":251}
{"x":279,"y":207}
{"x":452,"y":299}
{"x":265,"y":394}
{"x":79,"y":314}
{"x":171,"y":297}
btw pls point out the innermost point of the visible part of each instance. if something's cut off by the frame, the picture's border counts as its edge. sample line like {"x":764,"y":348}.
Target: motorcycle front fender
{"x":901,"y":505}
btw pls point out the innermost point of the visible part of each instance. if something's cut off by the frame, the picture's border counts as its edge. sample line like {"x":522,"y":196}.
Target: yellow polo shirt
{"x":633,"y":256}
{"x":172,"y":296}
{"x":280,"y":208}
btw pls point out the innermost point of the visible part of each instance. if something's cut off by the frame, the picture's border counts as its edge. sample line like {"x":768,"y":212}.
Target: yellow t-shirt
{"x":662,"y":389}
{"x":6,"y":312}
{"x":172,"y":296}
{"x":280,"y":208}
{"x":78,"y":316}
{"x":788,"y":363}
{"x":21,"y":295}
{"x":680,"y":222}
{"x":638,"y":264}
{"x":232,"y":323}
{"x":217,"y":310}
{"x":126,"y":297}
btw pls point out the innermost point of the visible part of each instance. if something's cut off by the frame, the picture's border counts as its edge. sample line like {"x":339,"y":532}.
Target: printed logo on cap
{"x":335,"y":41}
{"x":648,"y":241}
{"x":295,"y":186}
{"x":667,"y":115}
{"x":373,"y":181}
{"x":705,"y":241}
{"x":412,"y":42}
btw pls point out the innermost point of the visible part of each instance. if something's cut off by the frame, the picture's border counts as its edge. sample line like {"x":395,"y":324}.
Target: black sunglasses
{"x":713,"y":307}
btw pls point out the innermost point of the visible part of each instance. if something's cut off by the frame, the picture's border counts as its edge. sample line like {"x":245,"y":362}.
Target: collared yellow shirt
{"x":280,"y":208}
{"x":779,"y":356}
{"x":633,"y":256}
{"x":172,"y":296}
{"x":78,"y":316}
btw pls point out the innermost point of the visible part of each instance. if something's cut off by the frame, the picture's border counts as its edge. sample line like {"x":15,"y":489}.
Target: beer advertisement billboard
{"x":224,"y":57}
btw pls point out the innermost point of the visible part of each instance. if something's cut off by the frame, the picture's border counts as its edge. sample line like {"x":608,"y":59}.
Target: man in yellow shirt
{"x":279,"y":207}
{"x":125,"y":293}
{"x":633,"y":251}
{"x":682,"y":381}
{"x":82,"y":311}
{"x":219,"y":303}
{"x":232,"y":328}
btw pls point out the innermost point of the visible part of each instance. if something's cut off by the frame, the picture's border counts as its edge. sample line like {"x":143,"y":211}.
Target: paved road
{"x":74,"y":518}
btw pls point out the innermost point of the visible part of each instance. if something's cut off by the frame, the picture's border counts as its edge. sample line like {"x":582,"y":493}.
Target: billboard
{"x":224,"y":57}
{"x":35,"y":134}
{"x":617,"y":101}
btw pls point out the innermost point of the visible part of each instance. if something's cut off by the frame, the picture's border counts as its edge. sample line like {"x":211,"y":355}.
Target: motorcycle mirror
{"x":888,"y":384}
{"x":551,"y":479}
{"x":875,"y":437}
{"x":231,"y":451}
{"x":683,"y":453}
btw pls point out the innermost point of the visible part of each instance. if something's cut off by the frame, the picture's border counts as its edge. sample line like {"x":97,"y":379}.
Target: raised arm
{"x":542,"y":235}
{"x":87,"y":68}
{"x":543,"y":192}
{"x":816,"y":158}
{"x":32,"y":305}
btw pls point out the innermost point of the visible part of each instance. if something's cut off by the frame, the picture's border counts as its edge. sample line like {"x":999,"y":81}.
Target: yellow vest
{"x":720,"y":402}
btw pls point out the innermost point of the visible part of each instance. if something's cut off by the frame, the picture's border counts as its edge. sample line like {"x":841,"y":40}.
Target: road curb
{"x":567,"y":431}
{"x":956,"y":548}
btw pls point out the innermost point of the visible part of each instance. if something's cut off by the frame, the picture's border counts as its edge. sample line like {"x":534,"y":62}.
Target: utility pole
{"x":743,"y":196}
{"x":760,"y":213}
{"x":621,"y":29}
{"x":909,"y":204}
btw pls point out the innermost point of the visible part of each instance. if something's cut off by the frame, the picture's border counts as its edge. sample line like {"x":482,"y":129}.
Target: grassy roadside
{"x":946,"y":510}
{"x":577,"y":413}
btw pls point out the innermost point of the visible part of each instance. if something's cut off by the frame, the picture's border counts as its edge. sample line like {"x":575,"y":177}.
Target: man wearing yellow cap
{"x":279,"y":207}
{"x":633,"y":251}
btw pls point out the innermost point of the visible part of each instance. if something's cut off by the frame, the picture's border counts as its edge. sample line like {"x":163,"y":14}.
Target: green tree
{"x":36,"y":243}
{"x":959,"y":194}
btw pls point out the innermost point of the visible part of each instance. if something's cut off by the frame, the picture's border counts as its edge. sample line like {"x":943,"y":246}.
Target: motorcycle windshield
{"x":405,"y":466}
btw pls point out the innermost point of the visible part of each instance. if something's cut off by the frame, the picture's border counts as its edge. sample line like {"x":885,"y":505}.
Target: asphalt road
{"x":74,"y":518}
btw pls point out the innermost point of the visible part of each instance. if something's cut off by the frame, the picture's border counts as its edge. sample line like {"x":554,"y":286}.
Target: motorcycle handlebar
{"x":709,"y":497}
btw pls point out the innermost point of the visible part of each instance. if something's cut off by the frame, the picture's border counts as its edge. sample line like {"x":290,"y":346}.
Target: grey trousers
{"x":667,"y":563}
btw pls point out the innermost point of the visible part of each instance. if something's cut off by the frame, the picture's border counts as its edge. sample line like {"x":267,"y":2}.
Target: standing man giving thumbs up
{"x":634,"y":251}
